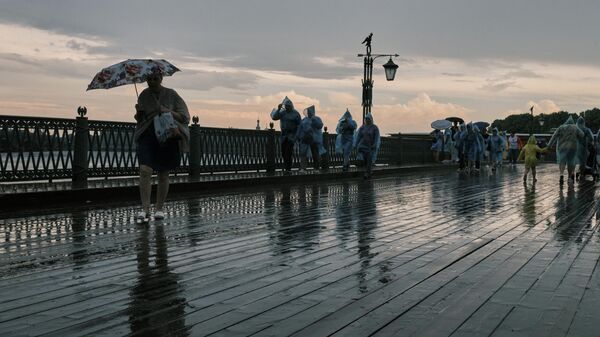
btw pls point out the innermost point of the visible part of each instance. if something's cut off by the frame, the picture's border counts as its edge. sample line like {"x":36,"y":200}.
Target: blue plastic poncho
{"x":448,"y":142}
{"x":497,"y":145}
{"x":459,"y":140}
{"x":309,"y":133}
{"x":345,"y":133}
{"x":438,"y":143}
{"x":367,"y":140}
{"x":473,"y":143}
{"x":597,"y":146}
{"x":585,"y":143}
{"x":481,"y":144}
{"x":289,"y":119}
{"x":566,"y":138}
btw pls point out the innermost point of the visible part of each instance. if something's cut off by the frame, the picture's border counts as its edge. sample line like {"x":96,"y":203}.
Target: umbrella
{"x":455,"y":119}
{"x":441,"y":124}
{"x":130,"y":71}
{"x":481,"y":125}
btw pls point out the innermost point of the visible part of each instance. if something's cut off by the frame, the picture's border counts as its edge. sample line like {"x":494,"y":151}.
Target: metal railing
{"x":35,"y":148}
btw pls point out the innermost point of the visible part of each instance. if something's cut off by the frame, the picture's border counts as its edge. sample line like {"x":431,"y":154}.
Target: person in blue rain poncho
{"x":459,"y":144}
{"x":496,"y":144}
{"x":290,"y":120}
{"x":310,"y":138}
{"x":448,"y":145}
{"x":597,"y":147}
{"x":438,"y":144}
{"x":480,"y":148}
{"x":345,"y":137}
{"x":473,"y":147}
{"x":367,"y":144}
{"x":567,"y":138}
{"x":585,"y":145}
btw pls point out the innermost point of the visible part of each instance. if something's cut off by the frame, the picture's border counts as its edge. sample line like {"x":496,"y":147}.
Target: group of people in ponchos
{"x":469,"y":147}
{"x":307,"y":133}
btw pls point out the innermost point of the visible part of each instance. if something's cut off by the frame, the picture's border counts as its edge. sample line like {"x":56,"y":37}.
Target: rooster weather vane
{"x":367,"y":42}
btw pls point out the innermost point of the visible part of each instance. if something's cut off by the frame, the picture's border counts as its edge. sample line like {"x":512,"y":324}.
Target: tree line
{"x":524,"y":123}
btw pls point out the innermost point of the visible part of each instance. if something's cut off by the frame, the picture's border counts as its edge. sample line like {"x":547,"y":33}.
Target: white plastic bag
{"x":165,"y":127}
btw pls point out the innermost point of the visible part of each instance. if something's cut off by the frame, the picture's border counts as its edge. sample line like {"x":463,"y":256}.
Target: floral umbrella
{"x":130,"y":71}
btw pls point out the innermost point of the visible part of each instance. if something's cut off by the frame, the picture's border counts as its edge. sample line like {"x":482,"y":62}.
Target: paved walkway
{"x":417,"y":254}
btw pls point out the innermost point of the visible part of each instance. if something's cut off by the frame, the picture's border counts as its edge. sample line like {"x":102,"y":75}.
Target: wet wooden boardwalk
{"x":422,"y":254}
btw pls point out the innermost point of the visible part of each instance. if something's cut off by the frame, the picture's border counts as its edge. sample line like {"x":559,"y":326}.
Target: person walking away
{"x":597,"y":150}
{"x":496,"y":145}
{"x":585,"y":145}
{"x":566,"y":138}
{"x":513,"y":148}
{"x":345,"y":136}
{"x":448,"y":145}
{"x":310,"y":138}
{"x":367,"y":144}
{"x":485,"y":154}
{"x":459,"y":144}
{"x":154,"y":154}
{"x":289,"y":121}
{"x":437,"y":145}
{"x":479,"y":148}
{"x":529,"y":153}
{"x":453,"y":147}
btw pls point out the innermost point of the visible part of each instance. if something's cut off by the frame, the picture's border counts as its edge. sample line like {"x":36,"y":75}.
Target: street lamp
{"x":367,"y":82}
{"x":390,"y":69}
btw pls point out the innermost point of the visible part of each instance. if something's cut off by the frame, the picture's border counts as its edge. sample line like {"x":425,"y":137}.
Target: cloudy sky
{"x":476,"y":59}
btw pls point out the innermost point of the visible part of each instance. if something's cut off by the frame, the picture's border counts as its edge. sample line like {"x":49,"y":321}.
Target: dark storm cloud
{"x":280,"y":35}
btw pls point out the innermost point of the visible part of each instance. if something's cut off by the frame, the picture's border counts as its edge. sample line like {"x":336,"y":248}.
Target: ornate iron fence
{"x":34,"y":148}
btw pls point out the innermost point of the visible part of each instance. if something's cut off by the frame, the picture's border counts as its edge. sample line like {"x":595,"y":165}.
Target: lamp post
{"x":367,"y":82}
{"x":541,"y":121}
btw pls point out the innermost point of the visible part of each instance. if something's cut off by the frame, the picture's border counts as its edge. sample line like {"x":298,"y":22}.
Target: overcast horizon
{"x":479,"y":60}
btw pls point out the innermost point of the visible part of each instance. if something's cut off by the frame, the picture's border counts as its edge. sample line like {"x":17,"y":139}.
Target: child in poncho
{"x":528,"y":152}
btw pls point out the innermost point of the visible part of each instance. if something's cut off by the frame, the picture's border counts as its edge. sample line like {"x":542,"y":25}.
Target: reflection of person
{"x":529,"y":205}
{"x":310,"y":139}
{"x":289,"y":119}
{"x":80,"y":241}
{"x":566,"y":138}
{"x":367,"y":144}
{"x":345,"y":135}
{"x":529,"y":153}
{"x":290,"y":233}
{"x":152,"y":154}
{"x":366,"y":215}
{"x":151,"y":313}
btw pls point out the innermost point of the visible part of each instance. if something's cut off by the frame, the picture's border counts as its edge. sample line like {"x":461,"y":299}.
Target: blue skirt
{"x":160,"y":157}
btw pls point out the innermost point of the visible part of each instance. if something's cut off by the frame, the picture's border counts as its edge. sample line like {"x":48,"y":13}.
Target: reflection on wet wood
{"x":422,"y":254}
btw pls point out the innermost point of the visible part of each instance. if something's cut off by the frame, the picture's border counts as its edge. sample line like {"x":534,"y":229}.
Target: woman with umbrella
{"x":161,"y":133}
{"x":154,"y":154}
